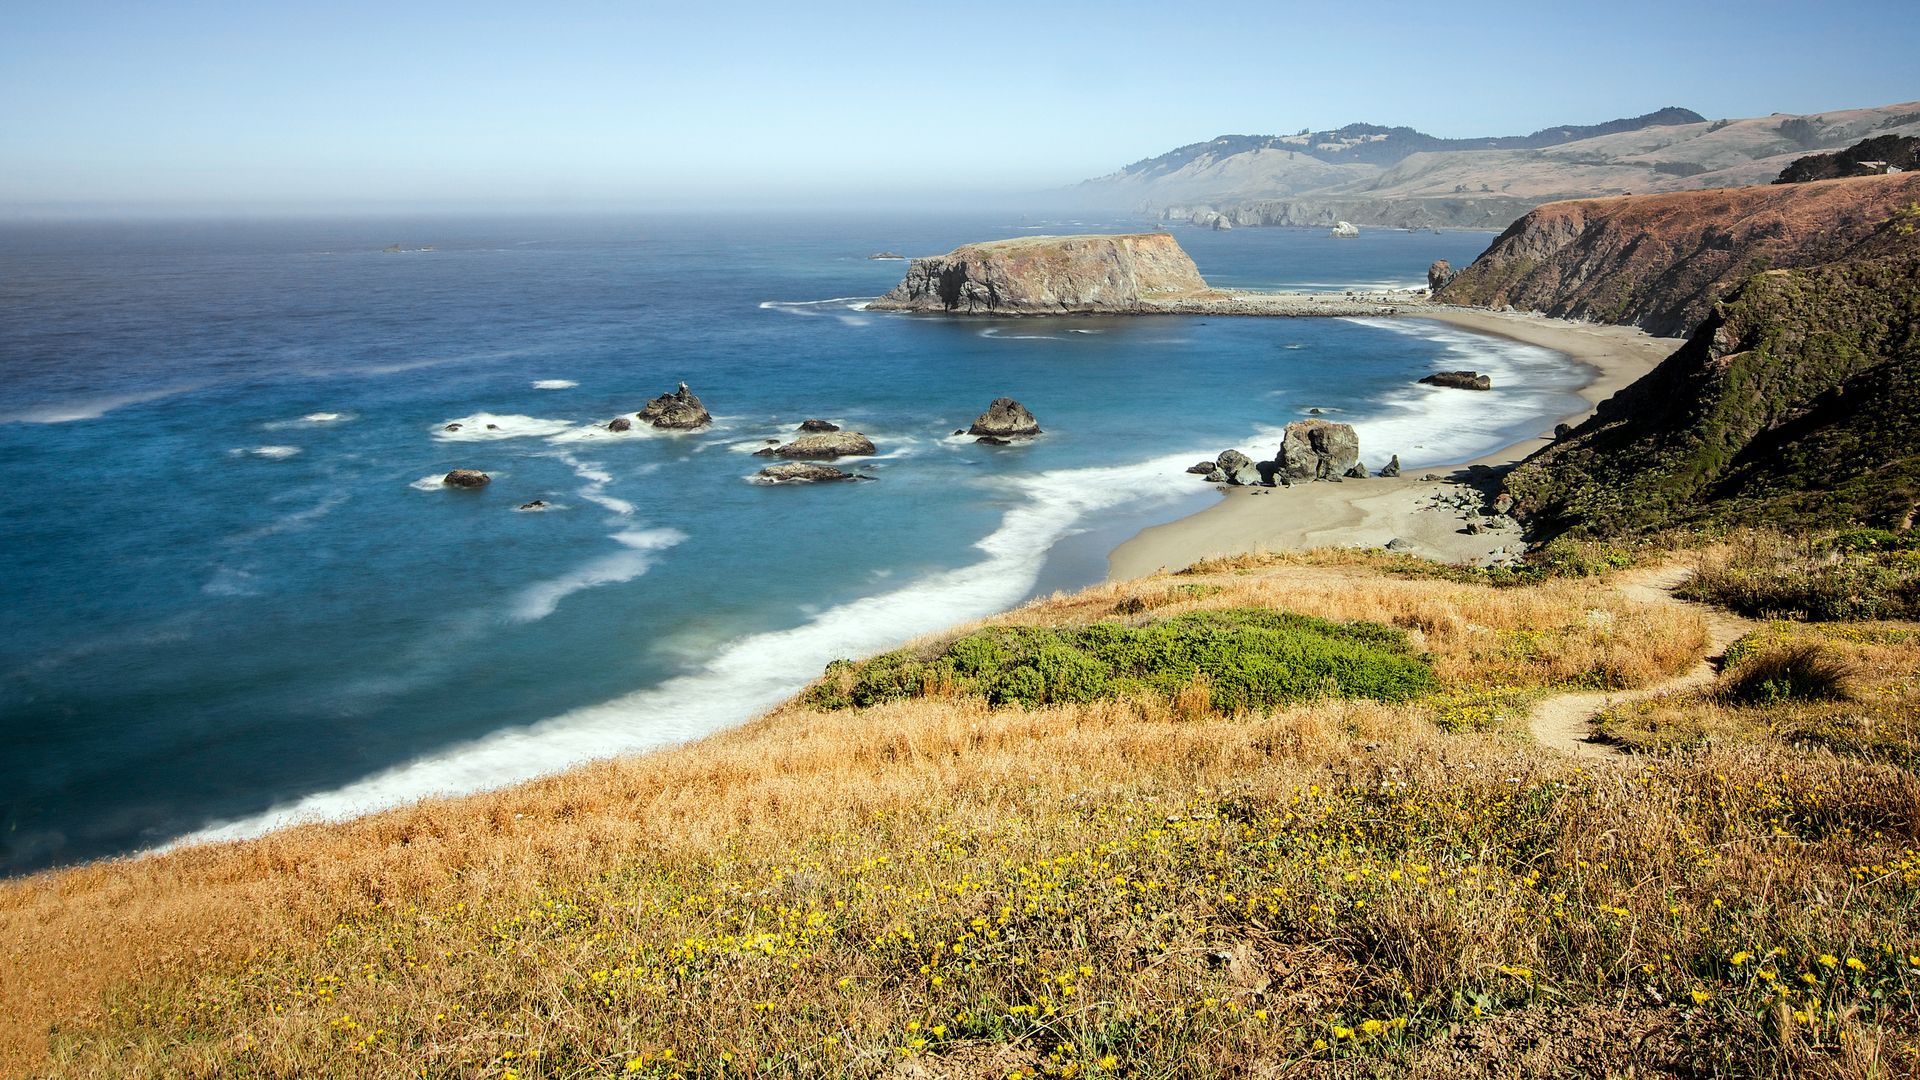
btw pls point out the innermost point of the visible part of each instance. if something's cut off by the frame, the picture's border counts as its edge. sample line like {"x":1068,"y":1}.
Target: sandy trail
{"x":1564,"y":722}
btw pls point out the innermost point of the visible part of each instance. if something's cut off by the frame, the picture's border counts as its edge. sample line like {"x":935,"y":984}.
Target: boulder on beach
{"x":1459,"y":380}
{"x":1317,"y":450}
{"x":801,"y":472}
{"x":1005,"y":418}
{"x":1238,"y":469}
{"x":678,"y":411}
{"x":470,"y":479}
{"x":1358,"y":472}
{"x":818,"y":426}
{"x":823,"y":444}
{"x":1392,"y":467}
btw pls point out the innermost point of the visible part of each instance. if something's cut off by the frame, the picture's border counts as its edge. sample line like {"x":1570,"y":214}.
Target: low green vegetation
{"x":1240,"y":658}
{"x":1851,"y":575}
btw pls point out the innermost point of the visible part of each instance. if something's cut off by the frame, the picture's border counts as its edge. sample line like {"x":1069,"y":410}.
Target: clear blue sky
{"x":646,"y":104}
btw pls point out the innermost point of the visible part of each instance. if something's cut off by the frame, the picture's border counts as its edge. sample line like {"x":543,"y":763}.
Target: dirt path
{"x":1565,"y":721}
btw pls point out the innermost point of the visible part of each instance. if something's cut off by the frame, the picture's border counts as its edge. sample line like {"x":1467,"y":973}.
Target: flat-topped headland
{"x":1134,"y":274}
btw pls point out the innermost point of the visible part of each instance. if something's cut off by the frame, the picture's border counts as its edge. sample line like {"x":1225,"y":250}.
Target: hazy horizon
{"x":216,"y":109}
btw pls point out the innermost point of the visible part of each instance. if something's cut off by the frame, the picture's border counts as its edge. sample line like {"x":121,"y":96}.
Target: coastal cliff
{"x":1793,"y":402}
{"x":1660,"y":261}
{"x":1049,"y":275}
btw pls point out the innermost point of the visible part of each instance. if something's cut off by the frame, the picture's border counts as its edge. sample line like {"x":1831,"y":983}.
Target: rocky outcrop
{"x":1660,"y":261}
{"x":1344,"y":230}
{"x":1392,"y":468}
{"x":1317,"y":450}
{"x":1048,"y":275}
{"x":678,"y":411}
{"x":1236,"y":468}
{"x":1459,"y":380}
{"x":818,"y":426}
{"x":1005,"y":418}
{"x":822,"y":445}
{"x":469,"y":479}
{"x":1439,"y":274}
{"x":1203,"y":468}
{"x":801,"y":472}
{"x":1792,"y":404}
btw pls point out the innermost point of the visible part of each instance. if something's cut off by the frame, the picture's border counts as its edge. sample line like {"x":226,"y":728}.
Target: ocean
{"x":237,"y":597}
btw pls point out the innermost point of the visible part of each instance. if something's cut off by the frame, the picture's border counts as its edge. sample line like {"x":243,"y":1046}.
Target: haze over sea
{"x":238,"y":596}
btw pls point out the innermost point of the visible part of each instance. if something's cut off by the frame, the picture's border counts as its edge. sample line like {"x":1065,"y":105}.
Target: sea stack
{"x":469,"y":479}
{"x":1005,"y":418}
{"x":678,"y":411}
{"x":1317,"y":450}
{"x":827,"y":445}
{"x":1049,"y":275}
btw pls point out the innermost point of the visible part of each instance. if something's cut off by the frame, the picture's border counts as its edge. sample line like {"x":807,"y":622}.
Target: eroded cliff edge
{"x":1051,"y":275}
{"x":1660,"y":261}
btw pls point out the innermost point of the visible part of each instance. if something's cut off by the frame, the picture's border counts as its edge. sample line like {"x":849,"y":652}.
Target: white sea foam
{"x":486,"y":427}
{"x":325,"y":417}
{"x":436,"y":482}
{"x":272,"y":452}
{"x":758,"y":671}
{"x":597,"y":478}
{"x":92,"y":408}
{"x":554,"y":384}
{"x":843,"y":308}
{"x":540,"y":600}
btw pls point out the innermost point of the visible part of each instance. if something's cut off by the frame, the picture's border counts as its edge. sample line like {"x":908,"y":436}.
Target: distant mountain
{"x":1396,"y":176}
{"x":1372,"y":144}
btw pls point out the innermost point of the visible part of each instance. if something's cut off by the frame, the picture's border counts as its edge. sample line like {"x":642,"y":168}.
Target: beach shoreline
{"x":1427,"y":515}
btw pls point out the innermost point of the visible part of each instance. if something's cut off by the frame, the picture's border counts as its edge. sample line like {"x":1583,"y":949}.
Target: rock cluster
{"x":802,"y":472}
{"x":1004,"y":419}
{"x":825,"y":445}
{"x":678,"y":411}
{"x":1459,"y":380}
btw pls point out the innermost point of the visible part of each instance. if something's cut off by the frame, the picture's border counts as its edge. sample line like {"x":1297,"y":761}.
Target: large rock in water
{"x":801,"y":472}
{"x":471,"y":479}
{"x":826,"y":444}
{"x":1004,"y":418}
{"x":1317,"y":450}
{"x":1459,"y":380}
{"x":678,"y":411}
{"x":1048,"y":275}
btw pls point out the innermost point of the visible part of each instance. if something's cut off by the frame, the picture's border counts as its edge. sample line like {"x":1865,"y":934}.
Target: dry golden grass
{"x":1217,"y":894}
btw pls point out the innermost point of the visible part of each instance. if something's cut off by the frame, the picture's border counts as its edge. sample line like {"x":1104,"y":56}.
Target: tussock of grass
{"x":1799,"y":671}
{"x":1243,"y":658}
{"x":1132,"y":886}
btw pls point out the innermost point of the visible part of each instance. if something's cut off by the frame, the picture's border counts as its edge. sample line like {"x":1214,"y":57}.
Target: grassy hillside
{"x":1152,"y":882}
{"x":1793,"y":403}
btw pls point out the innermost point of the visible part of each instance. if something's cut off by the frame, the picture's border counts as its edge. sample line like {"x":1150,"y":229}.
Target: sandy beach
{"x":1428,"y":515}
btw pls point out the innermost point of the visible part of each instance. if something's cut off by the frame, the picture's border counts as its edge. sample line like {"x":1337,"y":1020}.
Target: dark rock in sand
{"x":678,"y":411}
{"x":1473,"y":528}
{"x":1459,"y":380}
{"x":994,"y":440}
{"x":1358,"y":472}
{"x":1317,"y":450}
{"x":1005,"y":418}
{"x":619,"y":423}
{"x":1392,"y":467}
{"x":801,"y":472}
{"x":1238,"y":469}
{"x":826,"y":444}
{"x":466,"y":478}
{"x":1203,"y":468}
{"x":1399,"y":544}
{"x":818,"y":426}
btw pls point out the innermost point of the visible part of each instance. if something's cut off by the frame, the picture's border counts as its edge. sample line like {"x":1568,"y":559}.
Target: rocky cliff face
{"x":1660,"y":261}
{"x":1794,"y":402}
{"x":1049,"y":275}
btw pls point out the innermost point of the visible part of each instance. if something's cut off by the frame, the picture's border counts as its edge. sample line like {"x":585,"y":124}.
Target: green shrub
{"x":1247,"y":658}
{"x":1795,"y":671}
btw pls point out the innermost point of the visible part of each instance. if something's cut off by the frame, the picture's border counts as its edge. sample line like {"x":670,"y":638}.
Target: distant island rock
{"x":1049,"y":275}
{"x":826,"y":445}
{"x":678,"y":411}
{"x":802,"y":472}
{"x":469,"y":479}
{"x":1005,"y":418}
{"x":1459,"y":380}
{"x":887,"y":255}
{"x":1344,"y":230}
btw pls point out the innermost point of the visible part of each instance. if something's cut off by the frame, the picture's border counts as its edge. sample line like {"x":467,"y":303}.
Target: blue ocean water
{"x":235,"y":596}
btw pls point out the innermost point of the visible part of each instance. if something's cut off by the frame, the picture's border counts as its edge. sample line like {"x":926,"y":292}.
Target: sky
{"x":257,"y":106}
